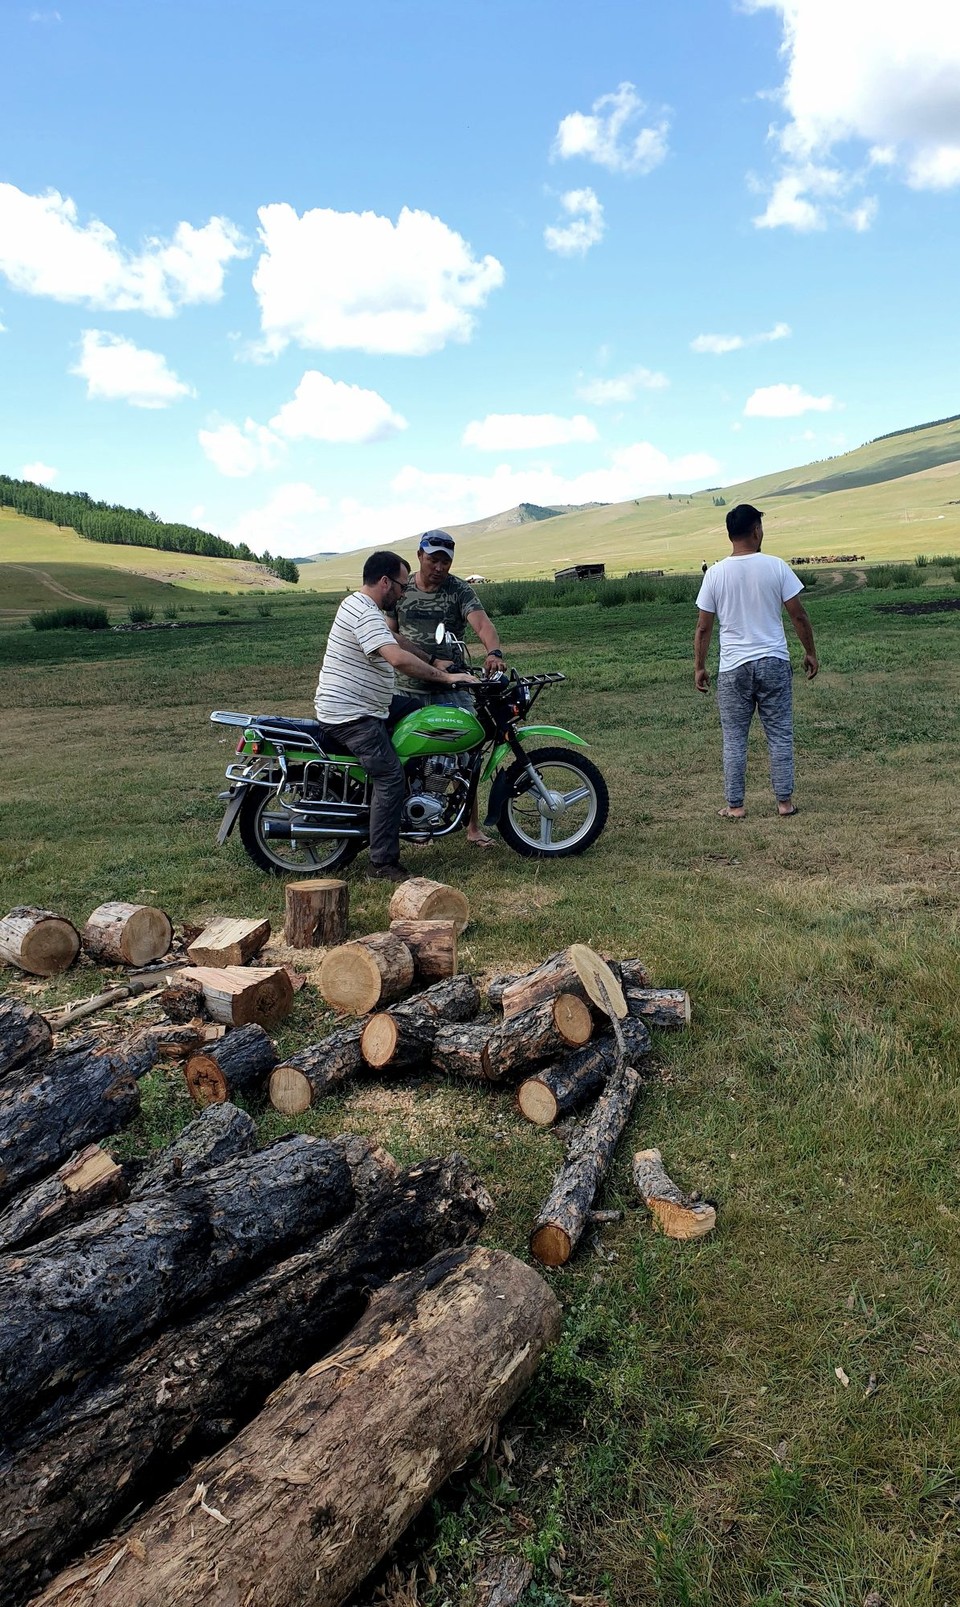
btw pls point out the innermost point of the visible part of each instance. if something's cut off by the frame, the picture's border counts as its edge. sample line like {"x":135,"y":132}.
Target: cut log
{"x":183,"y":999}
{"x":303,"y":1503}
{"x":560,"y":1224}
{"x":305,"y":1077}
{"x":433,"y":945}
{"x":239,"y":1064}
{"x":100,"y":1452}
{"x":102,"y":1285}
{"x":404,"y":1036}
{"x":24,"y":1034}
{"x":370,"y":971}
{"x":38,"y":941}
{"x":177,"y":1042}
{"x":219,"y":1134}
{"x":127,"y":934}
{"x":317,"y":913}
{"x":569,"y":1083}
{"x":659,"y":1007}
{"x":52,"y":1107}
{"x":630,"y":973}
{"x":458,"y":1050}
{"x":498,"y":985}
{"x":577,"y":970}
{"x":536,"y":1036}
{"x":678,"y":1215}
{"x":85,"y":1183}
{"x":240,"y":994}
{"x":229,"y":942}
{"x":420,"y":899}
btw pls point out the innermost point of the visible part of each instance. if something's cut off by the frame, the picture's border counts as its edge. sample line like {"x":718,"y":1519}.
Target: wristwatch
{"x":495,"y":653}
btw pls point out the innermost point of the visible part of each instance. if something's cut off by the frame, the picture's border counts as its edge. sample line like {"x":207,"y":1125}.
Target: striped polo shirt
{"x":355,"y":680}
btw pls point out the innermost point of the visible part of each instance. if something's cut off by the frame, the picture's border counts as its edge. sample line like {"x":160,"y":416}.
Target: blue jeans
{"x":764,"y":685}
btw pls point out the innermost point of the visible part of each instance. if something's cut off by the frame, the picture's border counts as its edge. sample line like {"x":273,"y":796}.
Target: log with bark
{"x":101,"y":1286}
{"x":303,"y":1078}
{"x":99,"y":1452}
{"x":659,"y":1007}
{"x":631,"y":973}
{"x":498,"y":985}
{"x":24,"y":1034}
{"x":38,"y":941}
{"x":183,"y":998}
{"x":228,"y":942}
{"x":577,"y":970}
{"x":678,"y":1215}
{"x":537,"y":1035}
{"x":458,"y":1050}
{"x":221,"y":1133}
{"x":566,"y":1213}
{"x":240,"y":1064}
{"x":565,"y":1086}
{"x":87,"y":1182}
{"x":178,"y":1042}
{"x":52,"y":1107}
{"x":403,"y":1036}
{"x":316,"y":913}
{"x":127,"y":934}
{"x":433,"y":945}
{"x":240,"y":994}
{"x":370,"y":971}
{"x":307,"y":1498}
{"x":420,"y":899}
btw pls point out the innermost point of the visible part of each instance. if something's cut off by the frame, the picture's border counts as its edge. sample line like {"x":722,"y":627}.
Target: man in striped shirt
{"x":354,"y":692}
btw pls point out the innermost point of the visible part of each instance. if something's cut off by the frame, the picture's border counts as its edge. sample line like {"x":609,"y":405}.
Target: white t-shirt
{"x":747,"y":594}
{"x":355,"y":679}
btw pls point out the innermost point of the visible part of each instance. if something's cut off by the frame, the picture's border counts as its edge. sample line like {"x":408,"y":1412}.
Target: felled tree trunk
{"x":240,"y":994}
{"x":303,"y":1078}
{"x":563,"y":1087}
{"x":433,"y":945}
{"x":229,"y":942}
{"x":239,"y":1064}
{"x":52,"y":1107}
{"x":38,"y":941}
{"x":404,"y":1036}
{"x":458,"y":1050}
{"x":659,"y":1007}
{"x":85,"y":1183}
{"x":23,"y":1034}
{"x":560,"y":1224}
{"x":678,"y":1215}
{"x":420,"y":899}
{"x":370,"y":971}
{"x":127,"y":934}
{"x":317,"y":913}
{"x":100,"y":1452}
{"x":101,"y":1286}
{"x":537,"y":1035}
{"x":577,"y":970}
{"x":314,"y":1491}
{"x":219,"y":1134}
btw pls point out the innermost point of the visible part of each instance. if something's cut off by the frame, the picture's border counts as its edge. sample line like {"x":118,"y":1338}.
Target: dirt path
{"x":48,"y":581}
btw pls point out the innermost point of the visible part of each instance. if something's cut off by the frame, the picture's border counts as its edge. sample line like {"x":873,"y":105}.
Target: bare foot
{"x":480,"y":839}
{"x":731,"y":814}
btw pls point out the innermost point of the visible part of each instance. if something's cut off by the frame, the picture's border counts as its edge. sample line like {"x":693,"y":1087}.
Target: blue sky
{"x":319,"y":275}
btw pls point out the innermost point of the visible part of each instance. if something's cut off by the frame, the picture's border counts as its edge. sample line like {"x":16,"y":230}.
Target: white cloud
{"x":621,"y":387}
{"x":786,"y":401}
{"x":606,"y":134}
{"x":586,"y":227}
{"x":287,"y":525}
{"x":39,"y":473}
{"x":718,"y":345}
{"x":46,"y":251}
{"x":238,"y":450}
{"x":333,"y":280}
{"x":325,"y":409}
{"x":118,"y":371}
{"x":520,"y":432}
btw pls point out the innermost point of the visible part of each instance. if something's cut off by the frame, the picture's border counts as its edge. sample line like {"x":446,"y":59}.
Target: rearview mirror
{"x":440,"y":635}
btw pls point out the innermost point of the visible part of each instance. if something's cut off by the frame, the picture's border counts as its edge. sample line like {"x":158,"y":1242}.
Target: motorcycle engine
{"x":428,"y":803}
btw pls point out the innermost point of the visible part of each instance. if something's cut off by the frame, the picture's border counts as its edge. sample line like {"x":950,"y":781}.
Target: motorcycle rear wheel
{"x":281,"y":856}
{"x":529,"y":829}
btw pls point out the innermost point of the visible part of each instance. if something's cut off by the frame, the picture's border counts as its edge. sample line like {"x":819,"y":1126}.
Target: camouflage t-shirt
{"x":420,"y":612}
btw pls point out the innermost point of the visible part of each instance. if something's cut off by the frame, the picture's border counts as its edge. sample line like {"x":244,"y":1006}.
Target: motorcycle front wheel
{"x":567,"y":823}
{"x":282,"y":856}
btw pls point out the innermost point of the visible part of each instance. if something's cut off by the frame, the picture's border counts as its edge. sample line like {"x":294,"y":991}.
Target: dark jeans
{"x":369,"y":740}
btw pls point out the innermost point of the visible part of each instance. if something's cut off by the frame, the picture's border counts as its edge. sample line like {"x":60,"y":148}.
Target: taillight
{"x":239,"y":747}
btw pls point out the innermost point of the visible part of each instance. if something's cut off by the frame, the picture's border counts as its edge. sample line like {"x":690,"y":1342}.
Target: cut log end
{"x":379,"y":1040}
{"x":537,"y":1102}
{"x":370,"y":971}
{"x":39,"y":942}
{"x":205,"y":1081}
{"x":290,"y":1091}
{"x":420,"y":899}
{"x":572,"y":1019}
{"x":551,"y":1246}
{"x":127,"y":934}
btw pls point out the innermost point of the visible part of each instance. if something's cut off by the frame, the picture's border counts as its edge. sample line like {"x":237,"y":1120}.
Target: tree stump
{"x":659,"y":1007}
{"x":560,"y":1224}
{"x":404,"y":1036}
{"x":537,"y":1035}
{"x":370,"y":971}
{"x":85,"y":1183}
{"x":458,"y":1050}
{"x":308,"y":1075}
{"x":127,"y":934}
{"x":433,"y":945}
{"x":317,"y":913}
{"x":569,"y":1083}
{"x":240,"y":994}
{"x":24,"y":1034}
{"x":577,"y":970}
{"x":678,"y":1215}
{"x":229,"y":942}
{"x":239,"y":1064}
{"x":38,"y":941}
{"x":420,"y":899}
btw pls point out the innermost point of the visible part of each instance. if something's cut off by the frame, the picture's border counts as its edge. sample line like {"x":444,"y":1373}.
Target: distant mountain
{"x":523,"y":514}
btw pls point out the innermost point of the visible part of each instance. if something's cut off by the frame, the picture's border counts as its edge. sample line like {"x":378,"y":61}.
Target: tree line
{"x":129,"y":527}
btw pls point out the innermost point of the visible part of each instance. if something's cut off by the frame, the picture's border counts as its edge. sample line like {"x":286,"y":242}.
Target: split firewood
{"x":458,"y":1050}
{"x":67,"y":1304}
{"x":221,"y":1133}
{"x":678,"y":1215}
{"x":127,"y":934}
{"x":228,"y":942}
{"x":51,"y":1107}
{"x":336,"y":1442}
{"x":240,"y":994}
{"x":183,"y":998}
{"x":317,"y":913}
{"x":659,"y":1007}
{"x":140,"y":1425}
{"x":134,"y":986}
{"x":305,"y":1077}
{"x":433,"y":945}
{"x":420,"y":899}
{"x":559,"y":1226}
{"x":239,"y":1064}
{"x":370,"y":971}
{"x":537,"y":1035}
{"x":38,"y":941}
{"x":85,"y":1183}
{"x":567,"y":1084}
{"x":178,"y":1041}
{"x":577,"y":970}
{"x":404,"y":1035}
{"x":24,"y":1034}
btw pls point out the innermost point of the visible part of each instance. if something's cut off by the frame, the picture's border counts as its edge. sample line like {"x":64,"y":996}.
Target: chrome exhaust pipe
{"x":288,"y":830}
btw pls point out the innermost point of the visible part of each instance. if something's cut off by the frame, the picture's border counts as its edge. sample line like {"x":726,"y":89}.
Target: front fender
{"x":503,"y":748}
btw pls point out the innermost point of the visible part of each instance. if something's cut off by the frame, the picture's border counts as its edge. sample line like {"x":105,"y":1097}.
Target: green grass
{"x":688,"y":1444}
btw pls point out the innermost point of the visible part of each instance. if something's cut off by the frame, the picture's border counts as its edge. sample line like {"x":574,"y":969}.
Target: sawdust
{"x":306,"y":962}
{"x":383,"y":1101}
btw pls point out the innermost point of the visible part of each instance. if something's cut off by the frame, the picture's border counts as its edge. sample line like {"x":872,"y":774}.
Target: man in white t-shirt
{"x":354,"y":692}
{"x":746,"y":593}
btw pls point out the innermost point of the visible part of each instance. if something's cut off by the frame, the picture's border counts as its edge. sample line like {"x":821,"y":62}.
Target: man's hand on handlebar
{"x":462,"y":678}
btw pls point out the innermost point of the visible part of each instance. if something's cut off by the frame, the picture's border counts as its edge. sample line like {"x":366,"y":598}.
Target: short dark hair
{"x":741,"y":520}
{"x":383,"y":563}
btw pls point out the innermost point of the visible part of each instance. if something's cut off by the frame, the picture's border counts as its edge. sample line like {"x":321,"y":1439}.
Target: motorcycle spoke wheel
{"x":316,"y":856}
{"x":569,"y":820}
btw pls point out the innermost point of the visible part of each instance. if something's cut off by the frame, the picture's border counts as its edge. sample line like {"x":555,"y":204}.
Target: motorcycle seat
{"x":326,"y":737}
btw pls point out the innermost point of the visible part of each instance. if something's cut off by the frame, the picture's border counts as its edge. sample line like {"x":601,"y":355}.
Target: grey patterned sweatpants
{"x":764,"y":685}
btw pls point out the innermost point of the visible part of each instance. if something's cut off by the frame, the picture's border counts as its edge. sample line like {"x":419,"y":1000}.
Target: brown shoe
{"x":388,"y":873}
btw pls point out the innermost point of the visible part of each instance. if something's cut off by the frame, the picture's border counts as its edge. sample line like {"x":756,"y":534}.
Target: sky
{"x":318,"y":275}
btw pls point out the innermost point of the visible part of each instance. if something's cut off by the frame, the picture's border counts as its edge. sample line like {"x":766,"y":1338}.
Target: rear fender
{"x":230,"y":814}
{"x":503,"y":748}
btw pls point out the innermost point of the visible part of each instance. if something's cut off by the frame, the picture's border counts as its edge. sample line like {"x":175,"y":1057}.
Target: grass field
{"x":690,"y":1443}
